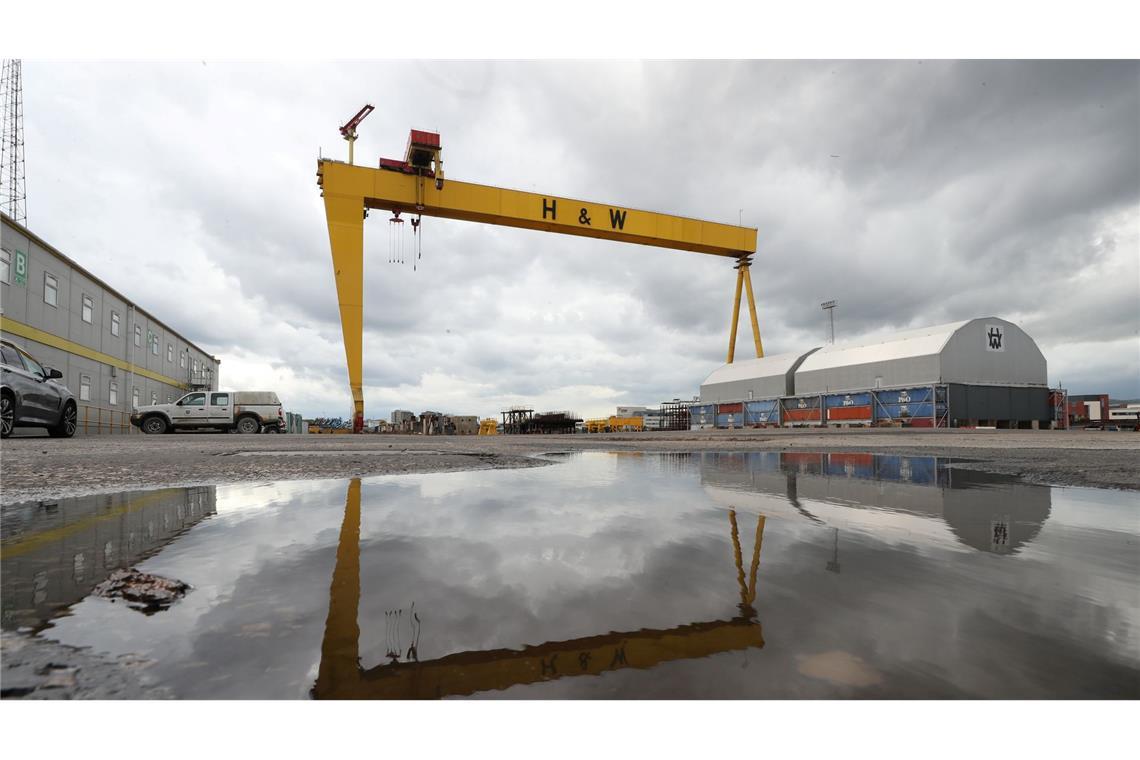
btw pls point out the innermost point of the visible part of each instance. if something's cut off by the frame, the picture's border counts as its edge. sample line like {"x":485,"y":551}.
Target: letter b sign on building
{"x":21,"y":268}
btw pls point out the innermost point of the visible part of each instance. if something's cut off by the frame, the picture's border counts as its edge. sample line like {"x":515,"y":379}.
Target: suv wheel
{"x":66,"y":426}
{"x":247,"y":425}
{"x":7,"y":415}
{"x":154,"y":425}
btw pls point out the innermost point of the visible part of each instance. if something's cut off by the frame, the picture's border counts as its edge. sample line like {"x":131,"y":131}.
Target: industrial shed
{"x":746,"y":392}
{"x":985,"y":351}
{"x":770,"y":377}
{"x":978,"y":372}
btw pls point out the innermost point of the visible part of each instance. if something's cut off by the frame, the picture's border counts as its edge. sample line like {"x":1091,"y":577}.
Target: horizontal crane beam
{"x":397,"y":191}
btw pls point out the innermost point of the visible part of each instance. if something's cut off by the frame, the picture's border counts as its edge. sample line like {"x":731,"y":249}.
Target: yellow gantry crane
{"x":416,"y":186}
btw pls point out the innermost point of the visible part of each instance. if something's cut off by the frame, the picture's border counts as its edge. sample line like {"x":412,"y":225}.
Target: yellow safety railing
{"x":99,"y":420}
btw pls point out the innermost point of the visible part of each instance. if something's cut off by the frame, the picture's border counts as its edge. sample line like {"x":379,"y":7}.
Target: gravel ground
{"x":41,"y":468}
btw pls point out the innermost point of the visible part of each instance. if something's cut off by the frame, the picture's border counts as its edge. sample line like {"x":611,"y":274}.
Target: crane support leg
{"x":744,"y":282}
{"x":752,"y":312}
{"x":735,"y":315}
{"x":346,"y":238}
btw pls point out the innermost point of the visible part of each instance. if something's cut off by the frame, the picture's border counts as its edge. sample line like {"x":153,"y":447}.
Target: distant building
{"x":400,"y":416}
{"x":464,"y":424}
{"x":631,"y":411}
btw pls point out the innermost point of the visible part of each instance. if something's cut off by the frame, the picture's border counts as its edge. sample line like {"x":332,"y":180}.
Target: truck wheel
{"x":154,"y":425}
{"x":247,"y":425}
{"x":67,"y":423}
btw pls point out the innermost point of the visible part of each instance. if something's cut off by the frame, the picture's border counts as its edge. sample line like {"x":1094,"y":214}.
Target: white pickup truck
{"x":243,"y":411}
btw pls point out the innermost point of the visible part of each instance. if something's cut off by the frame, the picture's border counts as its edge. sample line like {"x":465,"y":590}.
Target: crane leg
{"x":735,"y":315}
{"x":752,"y":311}
{"x":345,"y":216}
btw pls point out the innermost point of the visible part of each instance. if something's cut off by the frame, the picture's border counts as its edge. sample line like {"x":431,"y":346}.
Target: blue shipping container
{"x":759,"y":412}
{"x":904,"y":396}
{"x":907,"y":411}
{"x":847,"y":399}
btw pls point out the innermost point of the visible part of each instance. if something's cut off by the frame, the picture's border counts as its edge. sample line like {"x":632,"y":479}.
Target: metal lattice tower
{"x":13,"y":189}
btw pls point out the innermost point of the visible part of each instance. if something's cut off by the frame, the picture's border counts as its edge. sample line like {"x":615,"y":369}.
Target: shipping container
{"x":730,"y":420}
{"x":762,"y":412}
{"x":702,"y":417}
{"x":800,"y":410}
{"x":904,"y":395}
{"x":839,"y":400}
{"x":736,"y":408}
{"x":849,"y":414}
{"x":903,"y":411}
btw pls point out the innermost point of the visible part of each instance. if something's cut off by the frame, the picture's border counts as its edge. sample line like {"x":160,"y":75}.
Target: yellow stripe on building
{"x":8,"y":325}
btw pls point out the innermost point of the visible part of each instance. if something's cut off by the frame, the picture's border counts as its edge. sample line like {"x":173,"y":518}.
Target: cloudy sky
{"x":914,"y":192}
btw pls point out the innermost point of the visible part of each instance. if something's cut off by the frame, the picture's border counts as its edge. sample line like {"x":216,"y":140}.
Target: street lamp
{"x":829,"y":307}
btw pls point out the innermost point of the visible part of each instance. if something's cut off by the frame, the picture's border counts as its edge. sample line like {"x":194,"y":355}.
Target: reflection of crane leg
{"x":738,"y":558}
{"x":755,"y":559}
{"x":747,"y":591}
{"x":340,"y":647}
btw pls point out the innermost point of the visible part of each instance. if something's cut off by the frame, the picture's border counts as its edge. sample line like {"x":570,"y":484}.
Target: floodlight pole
{"x":829,"y":307}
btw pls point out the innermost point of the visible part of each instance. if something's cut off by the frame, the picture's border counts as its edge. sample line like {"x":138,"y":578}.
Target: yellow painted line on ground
{"x":9,"y":325}
{"x":25,"y":544}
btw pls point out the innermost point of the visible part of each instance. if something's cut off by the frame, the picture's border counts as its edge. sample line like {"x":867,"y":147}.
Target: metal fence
{"x":100,"y":420}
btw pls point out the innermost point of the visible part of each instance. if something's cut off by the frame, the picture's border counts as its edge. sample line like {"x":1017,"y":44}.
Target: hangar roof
{"x":923,"y":341}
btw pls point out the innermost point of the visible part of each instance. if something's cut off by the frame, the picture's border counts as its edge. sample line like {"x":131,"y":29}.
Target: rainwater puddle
{"x":766,"y":575}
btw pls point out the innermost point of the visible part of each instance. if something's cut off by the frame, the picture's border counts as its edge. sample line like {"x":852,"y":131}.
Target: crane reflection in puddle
{"x":340,"y":675}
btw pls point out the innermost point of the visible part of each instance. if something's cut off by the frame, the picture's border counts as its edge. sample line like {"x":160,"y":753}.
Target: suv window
{"x":194,"y":399}
{"x":220,"y":399}
{"x":11,"y":357}
{"x":32,"y":364}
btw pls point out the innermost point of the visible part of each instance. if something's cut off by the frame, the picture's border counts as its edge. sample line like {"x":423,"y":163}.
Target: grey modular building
{"x":113,"y":354}
{"x":984,"y":371}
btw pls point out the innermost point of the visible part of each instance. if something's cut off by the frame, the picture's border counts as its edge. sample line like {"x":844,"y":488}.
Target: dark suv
{"x":30,"y":397}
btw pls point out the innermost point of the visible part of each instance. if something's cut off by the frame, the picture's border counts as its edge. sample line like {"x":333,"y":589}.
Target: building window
{"x":182,"y":361}
{"x":115,"y":323}
{"x":88,"y":312}
{"x":138,"y":336}
{"x":51,"y":287}
{"x":113,"y":393}
{"x":134,"y":398}
{"x":170,"y":398}
{"x":169,"y":353}
{"x":5,"y":267}
{"x":84,"y":388}
{"x":154,"y":397}
{"x":154,"y":344}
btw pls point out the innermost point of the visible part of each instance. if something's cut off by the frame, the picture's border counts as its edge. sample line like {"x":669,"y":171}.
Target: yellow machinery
{"x":489,"y":426}
{"x":626,"y":424}
{"x":415,"y":186}
{"x":341,"y":676}
{"x":613,"y":424}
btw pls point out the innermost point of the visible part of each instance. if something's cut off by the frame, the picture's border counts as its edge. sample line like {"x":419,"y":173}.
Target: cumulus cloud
{"x":915,"y":192}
